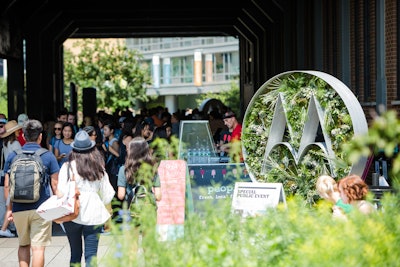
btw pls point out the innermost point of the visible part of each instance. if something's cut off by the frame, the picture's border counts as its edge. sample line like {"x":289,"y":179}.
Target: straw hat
{"x":11,"y":127}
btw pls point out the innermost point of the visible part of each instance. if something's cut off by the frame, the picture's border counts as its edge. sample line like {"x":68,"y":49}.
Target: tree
{"x":119,"y":74}
{"x":230,"y":97}
{"x":3,"y":96}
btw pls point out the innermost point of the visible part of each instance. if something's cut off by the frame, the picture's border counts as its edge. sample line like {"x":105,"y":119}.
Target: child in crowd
{"x":353,"y":190}
{"x":327,"y":189}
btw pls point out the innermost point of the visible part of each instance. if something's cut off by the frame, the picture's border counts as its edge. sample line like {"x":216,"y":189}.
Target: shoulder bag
{"x":62,"y":209}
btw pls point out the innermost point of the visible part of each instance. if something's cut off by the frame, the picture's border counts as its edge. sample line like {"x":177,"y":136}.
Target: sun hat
{"x":22,"y":118}
{"x":228,"y":114}
{"x":11,"y":127}
{"x":82,"y":142}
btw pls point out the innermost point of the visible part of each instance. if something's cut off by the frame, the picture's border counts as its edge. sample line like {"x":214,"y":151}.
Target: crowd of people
{"x":114,"y":146}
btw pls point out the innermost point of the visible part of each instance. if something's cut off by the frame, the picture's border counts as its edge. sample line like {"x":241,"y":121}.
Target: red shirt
{"x":237,"y":132}
{"x":20,"y":138}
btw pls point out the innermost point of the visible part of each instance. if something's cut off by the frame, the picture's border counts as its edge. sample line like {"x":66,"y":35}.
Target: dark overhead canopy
{"x":44,"y":25}
{"x":133,"y":18}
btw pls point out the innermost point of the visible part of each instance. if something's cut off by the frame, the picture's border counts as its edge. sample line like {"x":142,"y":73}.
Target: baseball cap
{"x":228,"y":114}
{"x":22,"y":118}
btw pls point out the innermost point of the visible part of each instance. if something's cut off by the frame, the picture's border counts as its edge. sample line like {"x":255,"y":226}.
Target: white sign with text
{"x":250,"y":198}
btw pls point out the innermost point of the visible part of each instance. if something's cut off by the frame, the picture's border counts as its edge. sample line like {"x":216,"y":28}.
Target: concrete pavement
{"x":56,"y":255}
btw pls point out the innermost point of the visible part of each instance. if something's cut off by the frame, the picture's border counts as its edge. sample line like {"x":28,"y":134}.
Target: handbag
{"x":62,"y":209}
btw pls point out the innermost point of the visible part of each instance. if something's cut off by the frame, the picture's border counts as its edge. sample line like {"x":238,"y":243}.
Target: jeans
{"x":2,"y":205}
{"x":91,"y":236}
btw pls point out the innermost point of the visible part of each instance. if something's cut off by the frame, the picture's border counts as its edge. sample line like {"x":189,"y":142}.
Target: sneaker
{"x":6,"y":233}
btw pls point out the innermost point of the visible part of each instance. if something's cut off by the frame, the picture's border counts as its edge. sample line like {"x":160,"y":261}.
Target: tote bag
{"x":62,"y":209}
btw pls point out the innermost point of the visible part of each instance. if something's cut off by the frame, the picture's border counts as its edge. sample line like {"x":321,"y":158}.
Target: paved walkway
{"x":57,"y":254}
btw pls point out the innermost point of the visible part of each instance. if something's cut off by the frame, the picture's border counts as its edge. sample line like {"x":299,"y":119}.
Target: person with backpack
{"x":138,"y":182}
{"x":34,"y":233}
{"x":86,"y":165}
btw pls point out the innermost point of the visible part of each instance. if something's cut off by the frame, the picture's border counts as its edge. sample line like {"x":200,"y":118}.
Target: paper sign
{"x":251,"y":199}
{"x":171,"y":207}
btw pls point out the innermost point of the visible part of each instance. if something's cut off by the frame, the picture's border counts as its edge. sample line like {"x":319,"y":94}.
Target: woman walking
{"x":140,"y":168}
{"x":86,"y":165}
{"x":139,"y":175}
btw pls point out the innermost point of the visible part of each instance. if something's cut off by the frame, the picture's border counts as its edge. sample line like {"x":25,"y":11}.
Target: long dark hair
{"x":89,"y":163}
{"x":138,"y":157}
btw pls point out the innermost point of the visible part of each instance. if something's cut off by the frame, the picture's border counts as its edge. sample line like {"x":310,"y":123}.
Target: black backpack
{"x":27,"y":174}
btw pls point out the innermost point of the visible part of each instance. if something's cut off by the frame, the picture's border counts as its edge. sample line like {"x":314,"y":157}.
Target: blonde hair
{"x":326,"y":186}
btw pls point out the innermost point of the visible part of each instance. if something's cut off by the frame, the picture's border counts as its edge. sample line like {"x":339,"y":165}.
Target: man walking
{"x":34,"y":233}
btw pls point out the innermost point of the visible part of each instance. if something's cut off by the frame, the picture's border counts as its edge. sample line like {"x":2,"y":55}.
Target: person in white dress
{"x":86,"y":165}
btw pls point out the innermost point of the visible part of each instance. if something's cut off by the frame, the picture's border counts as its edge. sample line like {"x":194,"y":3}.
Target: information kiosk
{"x":211,"y":179}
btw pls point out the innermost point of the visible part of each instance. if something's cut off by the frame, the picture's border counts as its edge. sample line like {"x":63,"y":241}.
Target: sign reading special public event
{"x":251,"y":198}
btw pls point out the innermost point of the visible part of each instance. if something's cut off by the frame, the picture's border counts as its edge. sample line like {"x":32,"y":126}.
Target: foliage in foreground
{"x":295,"y":235}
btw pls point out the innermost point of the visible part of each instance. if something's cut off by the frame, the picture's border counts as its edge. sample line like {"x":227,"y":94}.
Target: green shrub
{"x":297,"y":235}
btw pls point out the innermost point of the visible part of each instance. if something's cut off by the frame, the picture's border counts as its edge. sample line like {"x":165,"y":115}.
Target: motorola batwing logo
{"x":273,"y":120}
{"x":279,"y":125}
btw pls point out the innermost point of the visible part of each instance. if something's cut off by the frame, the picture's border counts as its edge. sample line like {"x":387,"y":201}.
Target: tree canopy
{"x":229,"y":97}
{"x":120,"y":75}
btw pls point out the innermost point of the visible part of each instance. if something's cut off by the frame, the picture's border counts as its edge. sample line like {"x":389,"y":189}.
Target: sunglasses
{"x":57,"y":129}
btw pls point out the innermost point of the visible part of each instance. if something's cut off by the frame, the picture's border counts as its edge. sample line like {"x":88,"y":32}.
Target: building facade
{"x":184,"y":68}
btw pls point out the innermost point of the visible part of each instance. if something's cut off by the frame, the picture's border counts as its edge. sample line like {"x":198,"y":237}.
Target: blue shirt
{"x":63,"y":148}
{"x":50,"y":161}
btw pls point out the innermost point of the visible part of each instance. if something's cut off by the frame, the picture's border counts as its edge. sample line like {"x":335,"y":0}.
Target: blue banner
{"x":210,"y":183}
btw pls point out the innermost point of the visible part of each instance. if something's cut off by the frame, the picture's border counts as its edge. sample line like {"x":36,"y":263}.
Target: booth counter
{"x":211,"y":178}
